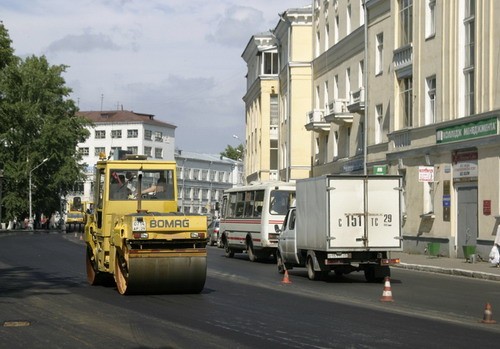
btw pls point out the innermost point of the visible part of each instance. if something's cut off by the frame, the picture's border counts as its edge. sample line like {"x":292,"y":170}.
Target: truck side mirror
{"x":277,"y":229}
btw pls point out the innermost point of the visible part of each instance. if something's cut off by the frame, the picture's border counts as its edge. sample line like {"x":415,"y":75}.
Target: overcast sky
{"x":177,"y":59}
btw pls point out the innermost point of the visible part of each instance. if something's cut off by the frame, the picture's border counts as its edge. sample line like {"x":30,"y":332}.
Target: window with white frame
{"x":379,"y":54}
{"x":336,"y":35}
{"x":378,"y":123}
{"x":274,"y":110}
{"x":158,"y":136}
{"x":84,"y":151}
{"x":100,"y":134}
{"x":133,"y":150}
{"x":361,"y":12}
{"x":405,"y":22}
{"x":158,"y":153}
{"x":347,"y":83}
{"x":116,"y":133}
{"x":195,"y":174}
{"x":317,"y":98}
{"x":221,"y":176}
{"x":430,"y":18}
{"x":430,"y":100}
{"x":98,"y":150}
{"x":148,"y":135}
{"x":469,"y":73}
{"x":406,"y":101}
{"x":318,"y":44}
{"x":327,"y":36}
{"x":132,"y":133}
{"x":270,"y":64}
{"x":348,"y":20}
{"x":469,"y":92}
{"x":326,"y":100}
{"x":335,"y":144}
{"x":335,"y":87}
{"x":361,"y":73}
{"x":196,"y":193}
{"x":115,"y":150}
{"x":148,"y":151}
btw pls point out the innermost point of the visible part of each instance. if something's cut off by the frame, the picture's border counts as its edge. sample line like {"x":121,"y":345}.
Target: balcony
{"x":403,"y":61}
{"x":316,"y":121}
{"x":338,"y":112}
{"x":357,"y":100}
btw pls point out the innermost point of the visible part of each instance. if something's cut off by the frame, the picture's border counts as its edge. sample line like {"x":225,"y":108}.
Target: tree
{"x":38,"y":121}
{"x":234,"y":153}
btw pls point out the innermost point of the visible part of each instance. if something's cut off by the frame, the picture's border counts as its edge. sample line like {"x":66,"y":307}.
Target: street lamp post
{"x":30,"y":224}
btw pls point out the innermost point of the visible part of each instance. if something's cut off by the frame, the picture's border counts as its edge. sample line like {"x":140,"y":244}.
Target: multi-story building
{"x":397,"y":87}
{"x":278,"y":98}
{"x":115,"y":130}
{"x":419,"y":79}
{"x":202,"y":179}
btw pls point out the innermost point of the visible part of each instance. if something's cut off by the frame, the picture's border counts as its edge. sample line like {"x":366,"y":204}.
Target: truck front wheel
{"x":279,"y":263}
{"x":311,"y":273}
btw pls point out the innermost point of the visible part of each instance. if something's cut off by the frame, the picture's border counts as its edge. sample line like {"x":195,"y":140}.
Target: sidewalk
{"x":450,"y":266}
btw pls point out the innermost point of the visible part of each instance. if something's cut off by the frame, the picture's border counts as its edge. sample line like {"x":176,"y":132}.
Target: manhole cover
{"x":21,"y":323}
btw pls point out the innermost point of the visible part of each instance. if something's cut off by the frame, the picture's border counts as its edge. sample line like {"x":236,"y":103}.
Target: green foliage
{"x":38,"y":121}
{"x":234,"y":153}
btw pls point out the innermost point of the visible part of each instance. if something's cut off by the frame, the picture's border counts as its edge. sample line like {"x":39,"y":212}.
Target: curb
{"x":450,"y":271}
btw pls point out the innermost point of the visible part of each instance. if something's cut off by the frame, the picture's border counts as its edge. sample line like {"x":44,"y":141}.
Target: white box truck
{"x":342,"y":223}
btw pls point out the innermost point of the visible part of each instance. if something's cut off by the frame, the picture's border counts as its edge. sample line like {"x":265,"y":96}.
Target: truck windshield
{"x":156,"y":185}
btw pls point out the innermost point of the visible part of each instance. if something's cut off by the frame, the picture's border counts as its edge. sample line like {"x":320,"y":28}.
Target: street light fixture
{"x":30,"y":224}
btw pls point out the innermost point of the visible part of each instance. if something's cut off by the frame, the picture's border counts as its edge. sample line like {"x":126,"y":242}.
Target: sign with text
{"x":426,"y":173}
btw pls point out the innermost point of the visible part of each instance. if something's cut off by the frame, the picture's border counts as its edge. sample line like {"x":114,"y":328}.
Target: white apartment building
{"x":116,"y":130}
{"x":202,"y":179}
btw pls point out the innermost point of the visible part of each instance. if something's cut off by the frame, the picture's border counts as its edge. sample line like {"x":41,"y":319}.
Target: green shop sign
{"x":469,"y":130}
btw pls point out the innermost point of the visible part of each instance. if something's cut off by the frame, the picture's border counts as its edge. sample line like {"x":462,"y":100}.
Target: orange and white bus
{"x":248,"y":216}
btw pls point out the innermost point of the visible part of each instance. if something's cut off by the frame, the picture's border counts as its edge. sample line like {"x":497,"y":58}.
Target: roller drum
{"x":161,"y":274}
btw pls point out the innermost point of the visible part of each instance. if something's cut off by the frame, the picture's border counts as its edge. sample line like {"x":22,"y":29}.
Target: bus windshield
{"x":280,"y":201}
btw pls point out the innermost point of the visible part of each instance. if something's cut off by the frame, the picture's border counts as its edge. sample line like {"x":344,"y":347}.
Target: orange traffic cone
{"x":387,"y":293}
{"x":488,"y":315}
{"x":286,"y":280}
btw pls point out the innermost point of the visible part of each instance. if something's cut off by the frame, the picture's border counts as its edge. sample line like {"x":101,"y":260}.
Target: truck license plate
{"x":338,"y":255}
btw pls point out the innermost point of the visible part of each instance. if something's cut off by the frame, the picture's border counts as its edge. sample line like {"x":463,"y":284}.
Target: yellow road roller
{"x":134,"y":234}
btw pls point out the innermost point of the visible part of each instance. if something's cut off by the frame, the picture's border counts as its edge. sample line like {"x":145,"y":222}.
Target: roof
{"x":204,"y":157}
{"x":121,"y":116}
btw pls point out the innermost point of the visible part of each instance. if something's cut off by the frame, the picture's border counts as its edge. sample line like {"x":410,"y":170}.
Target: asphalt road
{"x":45,"y":302}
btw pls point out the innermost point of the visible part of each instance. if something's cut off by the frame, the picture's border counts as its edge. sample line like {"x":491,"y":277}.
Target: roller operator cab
{"x":135,"y":235}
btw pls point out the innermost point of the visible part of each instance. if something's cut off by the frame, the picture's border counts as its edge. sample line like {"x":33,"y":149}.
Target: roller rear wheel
{"x":121,"y":274}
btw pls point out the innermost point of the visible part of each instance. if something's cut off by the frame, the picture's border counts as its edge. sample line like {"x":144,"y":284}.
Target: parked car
{"x":213,"y":233}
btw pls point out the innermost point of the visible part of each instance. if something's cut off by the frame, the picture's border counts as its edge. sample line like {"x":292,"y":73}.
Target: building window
{"x":132,"y":150}
{"x":273,"y":154}
{"x":469,"y":74}
{"x":148,"y":135}
{"x":158,"y":153}
{"x":158,"y":136}
{"x":317,"y":48}
{"x":326,"y":100}
{"x":405,"y":22}
{"x":378,"y":123}
{"x":84,"y":151}
{"x":100,"y":134}
{"x":430,"y":105}
{"x":98,"y":150}
{"x":115,"y":150}
{"x":270,"y":63}
{"x":116,"y":133}
{"x":336,"y":35}
{"x":327,"y":36}
{"x":406,"y":101}
{"x":348,"y":20}
{"x":430,"y":18}
{"x":132,"y":133}
{"x":274,"y":121}
{"x":347,"y":83}
{"x":148,"y":151}
{"x":361,"y":12}
{"x":221,"y":176}
{"x":469,"y":92}
{"x":379,"y":54}
{"x":361,"y":73}
{"x":335,"y":87}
